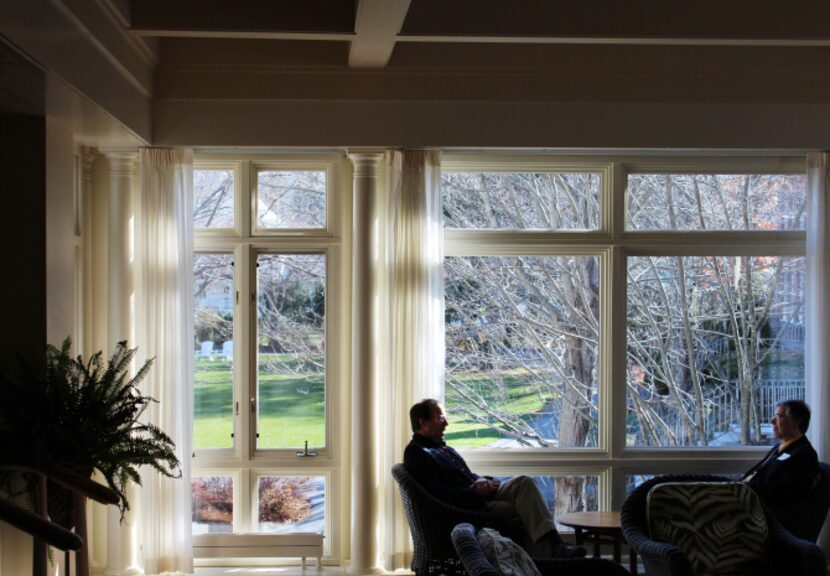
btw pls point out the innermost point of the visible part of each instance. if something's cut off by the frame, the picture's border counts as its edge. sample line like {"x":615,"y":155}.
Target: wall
{"x":40,"y":247}
{"x":23,"y":189}
{"x":61,"y":242}
{"x":23,"y":291}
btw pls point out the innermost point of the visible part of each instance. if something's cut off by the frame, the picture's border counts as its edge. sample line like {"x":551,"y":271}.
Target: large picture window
{"x":614,"y":318}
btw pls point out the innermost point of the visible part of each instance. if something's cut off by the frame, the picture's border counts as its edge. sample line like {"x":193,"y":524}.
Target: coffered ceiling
{"x":373,"y":29}
{"x":608,"y":73}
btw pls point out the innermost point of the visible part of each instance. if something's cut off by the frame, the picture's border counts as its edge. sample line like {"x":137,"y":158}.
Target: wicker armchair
{"x":786,"y":553}
{"x":476,"y":564}
{"x":805,"y":517}
{"x":431,"y":521}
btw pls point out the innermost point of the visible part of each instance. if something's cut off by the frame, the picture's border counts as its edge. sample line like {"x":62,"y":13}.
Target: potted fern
{"x":85,"y":416}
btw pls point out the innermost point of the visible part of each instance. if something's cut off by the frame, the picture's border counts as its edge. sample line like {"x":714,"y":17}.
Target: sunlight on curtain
{"x":164,"y":325}
{"x":411,"y":334}
{"x":818,"y":292}
{"x":817,"y":364}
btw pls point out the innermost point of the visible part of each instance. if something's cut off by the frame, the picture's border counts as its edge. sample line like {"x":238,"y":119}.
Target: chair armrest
{"x":659,"y":558}
{"x":466,"y":546}
{"x":791,"y":555}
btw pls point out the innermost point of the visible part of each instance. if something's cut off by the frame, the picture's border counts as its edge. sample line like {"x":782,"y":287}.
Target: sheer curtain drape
{"x":165,"y":249}
{"x":412,"y":322}
{"x":818,"y":308}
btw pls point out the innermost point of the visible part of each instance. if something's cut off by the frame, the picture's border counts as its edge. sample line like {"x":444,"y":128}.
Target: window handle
{"x":253,"y":404}
{"x":305,"y":453}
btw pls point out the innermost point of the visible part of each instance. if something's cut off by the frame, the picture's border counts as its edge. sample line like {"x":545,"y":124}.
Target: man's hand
{"x":486,"y":486}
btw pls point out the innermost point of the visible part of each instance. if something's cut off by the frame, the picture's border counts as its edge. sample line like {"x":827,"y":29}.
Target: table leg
{"x":597,"y":551}
{"x":617,"y":547}
{"x":578,"y":536}
{"x":632,"y":561}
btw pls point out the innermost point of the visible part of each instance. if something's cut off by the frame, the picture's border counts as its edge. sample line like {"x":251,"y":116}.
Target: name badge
{"x":783,"y":457}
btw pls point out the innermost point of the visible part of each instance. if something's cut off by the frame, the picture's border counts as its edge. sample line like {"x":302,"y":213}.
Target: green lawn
{"x":516,"y":397}
{"x":292,"y":409}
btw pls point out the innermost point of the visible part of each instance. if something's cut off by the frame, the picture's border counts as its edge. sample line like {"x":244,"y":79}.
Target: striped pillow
{"x":719,"y":526}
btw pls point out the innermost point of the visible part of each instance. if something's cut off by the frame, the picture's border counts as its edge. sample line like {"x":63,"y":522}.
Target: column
{"x":817,"y":365}
{"x":364,"y":346}
{"x":122,"y":557}
{"x":93,"y":339}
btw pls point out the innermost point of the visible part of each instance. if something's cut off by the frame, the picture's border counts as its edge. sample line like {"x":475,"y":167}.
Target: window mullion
{"x":245,"y":385}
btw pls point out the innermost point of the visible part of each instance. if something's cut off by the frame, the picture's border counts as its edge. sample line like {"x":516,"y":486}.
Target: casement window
{"x":610,"y":318}
{"x":267,"y":379}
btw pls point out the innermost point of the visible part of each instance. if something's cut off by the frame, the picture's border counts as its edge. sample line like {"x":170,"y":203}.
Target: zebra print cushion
{"x":719,"y":526}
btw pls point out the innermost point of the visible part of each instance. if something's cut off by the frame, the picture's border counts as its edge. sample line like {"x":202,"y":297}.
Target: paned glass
{"x":291,"y":199}
{"x":211,"y":499}
{"x":292,"y":504}
{"x":213,"y":198}
{"x":291,"y":350}
{"x":214,"y":296}
{"x":549,"y":201}
{"x":714,"y":343}
{"x":697,"y":202}
{"x":522,"y":354}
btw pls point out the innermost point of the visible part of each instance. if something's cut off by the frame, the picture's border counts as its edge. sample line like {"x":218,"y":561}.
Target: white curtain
{"x":163,"y":313}
{"x":818,"y":309}
{"x":818,"y":300}
{"x":412,"y":322}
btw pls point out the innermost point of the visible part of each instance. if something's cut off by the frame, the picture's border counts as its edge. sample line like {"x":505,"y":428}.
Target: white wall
{"x":61,"y":297}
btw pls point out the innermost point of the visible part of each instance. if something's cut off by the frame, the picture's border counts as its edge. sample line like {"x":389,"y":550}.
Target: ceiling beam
{"x":376,"y":29}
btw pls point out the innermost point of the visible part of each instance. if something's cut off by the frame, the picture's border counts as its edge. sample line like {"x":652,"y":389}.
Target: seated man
{"x":443,"y":472}
{"x":790,"y":468}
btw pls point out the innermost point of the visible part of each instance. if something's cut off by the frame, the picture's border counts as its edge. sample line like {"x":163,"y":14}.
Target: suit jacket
{"x":782,"y":478}
{"x":442,"y":472}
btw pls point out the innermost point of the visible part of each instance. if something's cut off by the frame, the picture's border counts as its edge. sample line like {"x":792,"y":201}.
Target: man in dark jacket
{"x":444,"y":473}
{"x":790,"y":468}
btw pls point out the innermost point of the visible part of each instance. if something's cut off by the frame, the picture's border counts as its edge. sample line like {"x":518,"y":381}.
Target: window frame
{"x":244,"y":461}
{"x":613,"y":460}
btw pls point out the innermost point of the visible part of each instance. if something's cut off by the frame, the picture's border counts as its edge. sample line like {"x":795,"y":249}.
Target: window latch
{"x":305,"y":453}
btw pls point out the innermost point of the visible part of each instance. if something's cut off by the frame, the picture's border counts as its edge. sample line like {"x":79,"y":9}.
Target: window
{"x":512,"y":323}
{"x":213,"y":323}
{"x":266,"y":377}
{"x":607,"y":318}
{"x":212,"y":504}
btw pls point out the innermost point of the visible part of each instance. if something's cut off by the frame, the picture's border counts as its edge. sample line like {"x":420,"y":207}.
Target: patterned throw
{"x":719,"y":526}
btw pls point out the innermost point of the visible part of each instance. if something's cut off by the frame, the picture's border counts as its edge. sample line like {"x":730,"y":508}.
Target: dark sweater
{"x":442,"y":472}
{"x":782,"y":478}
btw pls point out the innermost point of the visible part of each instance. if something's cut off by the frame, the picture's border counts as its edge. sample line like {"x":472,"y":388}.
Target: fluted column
{"x":364,"y":348}
{"x":122,"y":557}
{"x":92,"y":339}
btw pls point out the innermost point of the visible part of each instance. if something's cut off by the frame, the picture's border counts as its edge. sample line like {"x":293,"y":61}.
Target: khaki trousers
{"x":520,"y":498}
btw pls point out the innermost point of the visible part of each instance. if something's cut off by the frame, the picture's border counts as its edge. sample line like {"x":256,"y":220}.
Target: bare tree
{"x":522,"y":331}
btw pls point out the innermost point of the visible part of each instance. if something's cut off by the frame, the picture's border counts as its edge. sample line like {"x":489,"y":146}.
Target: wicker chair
{"x":786,"y":553}
{"x":476,"y":564}
{"x":431,"y":521}
{"x":805,"y":517}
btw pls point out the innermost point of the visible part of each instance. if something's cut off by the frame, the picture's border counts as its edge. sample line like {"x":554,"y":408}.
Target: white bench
{"x":299,"y":545}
